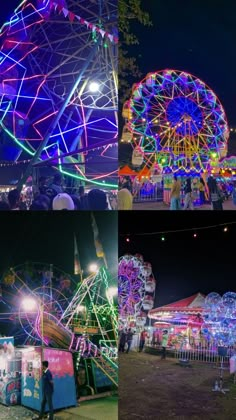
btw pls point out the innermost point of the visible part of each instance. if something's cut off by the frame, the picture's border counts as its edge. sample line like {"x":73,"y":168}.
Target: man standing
{"x":47,"y":383}
{"x":143,"y":337}
{"x":122,"y":341}
{"x":129,"y":339}
{"x":175,"y":195}
{"x":164,"y":342}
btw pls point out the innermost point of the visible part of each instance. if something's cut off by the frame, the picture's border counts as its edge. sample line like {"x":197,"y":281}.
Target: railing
{"x":201,"y":355}
{"x":204,"y":354}
{"x":148,"y":193}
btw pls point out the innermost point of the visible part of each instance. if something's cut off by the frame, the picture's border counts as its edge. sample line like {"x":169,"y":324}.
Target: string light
{"x":193,"y":229}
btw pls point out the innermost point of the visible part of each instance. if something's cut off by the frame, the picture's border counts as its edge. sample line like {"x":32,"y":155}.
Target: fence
{"x":206,"y":354}
{"x":148,"y":193}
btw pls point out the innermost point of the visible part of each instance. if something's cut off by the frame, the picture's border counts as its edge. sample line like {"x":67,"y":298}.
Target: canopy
{"x":193,"y":305}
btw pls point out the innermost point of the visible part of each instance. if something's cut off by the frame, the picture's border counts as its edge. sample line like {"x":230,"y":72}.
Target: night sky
{"x":7,"y":9}
{"x":182,"y":265}
{"x":49,"y":238}
{"x":197,"y":36}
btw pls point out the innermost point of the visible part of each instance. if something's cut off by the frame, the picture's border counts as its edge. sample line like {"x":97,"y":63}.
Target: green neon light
{"x":16,"y":140}
{"x":81,"y":178}
{"x":104,"y":184}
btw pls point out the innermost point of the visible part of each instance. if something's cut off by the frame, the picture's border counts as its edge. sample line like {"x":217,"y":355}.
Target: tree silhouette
{"x":129,"y":11}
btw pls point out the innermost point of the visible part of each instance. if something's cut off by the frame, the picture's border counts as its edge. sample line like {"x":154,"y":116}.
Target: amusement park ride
{"x":175,"y":124}
{"x":136,"y":288}
{"x":64,"y":312}
{"x":58,"y":88}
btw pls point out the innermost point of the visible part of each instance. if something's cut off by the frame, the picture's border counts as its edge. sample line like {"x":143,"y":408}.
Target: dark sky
{"x":48,"y":237}
{"x":182,"y":265}
{"x":7,"y":9}
{"x":197,"y":36}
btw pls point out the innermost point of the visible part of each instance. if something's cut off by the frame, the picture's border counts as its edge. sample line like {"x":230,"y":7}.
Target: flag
{"x":97,"y":243}
{"x":77,"y":266}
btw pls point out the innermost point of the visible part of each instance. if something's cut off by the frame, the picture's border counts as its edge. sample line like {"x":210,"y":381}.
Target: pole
{"x":56,"y":119}
{"x":42,"y":329}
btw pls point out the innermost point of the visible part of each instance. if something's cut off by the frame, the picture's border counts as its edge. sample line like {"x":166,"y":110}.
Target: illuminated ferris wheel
{"x":58,"y":87}
{"x":136,"y":286}
{"x":177,"y":121}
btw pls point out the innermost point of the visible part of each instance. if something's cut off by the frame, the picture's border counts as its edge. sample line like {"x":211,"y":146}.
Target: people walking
{"x":175,"y":195}
{"x":188,"y":200}
{"x":216,"y":196}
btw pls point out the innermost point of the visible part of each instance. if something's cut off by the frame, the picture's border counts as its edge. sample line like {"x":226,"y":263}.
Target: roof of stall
{"x":191,"y":305}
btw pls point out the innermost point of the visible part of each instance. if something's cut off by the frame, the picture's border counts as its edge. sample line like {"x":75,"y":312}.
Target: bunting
{"x":59,"y":5}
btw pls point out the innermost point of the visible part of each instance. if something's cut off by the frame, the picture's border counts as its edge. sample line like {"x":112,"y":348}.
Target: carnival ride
{"x":136,"y":290}
{"x":58,"y":88}
{"x":64,"y":313}
{"x":175,"y":122}
{"x":220,"y":318}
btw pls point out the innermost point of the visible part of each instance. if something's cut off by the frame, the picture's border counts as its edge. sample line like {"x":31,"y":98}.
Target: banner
{"x":77,"y":266}
{"x":59,"y":5}
{"x":97,"y":243}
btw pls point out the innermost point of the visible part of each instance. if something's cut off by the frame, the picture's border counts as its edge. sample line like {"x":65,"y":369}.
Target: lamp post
{"x":29,"y":304}
{"x":93,"y":268}
{"x":111,"y":293}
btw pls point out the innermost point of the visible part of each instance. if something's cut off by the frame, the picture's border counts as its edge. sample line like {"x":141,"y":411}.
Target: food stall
{"x":61,"y":366}
{"x":10,"y":366}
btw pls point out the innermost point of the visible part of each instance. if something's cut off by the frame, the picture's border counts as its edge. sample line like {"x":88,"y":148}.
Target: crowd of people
{"x":53,"y":196}
{"x":184,"y":194}
{"x":210,"y":192}
{"x":126,"y":339}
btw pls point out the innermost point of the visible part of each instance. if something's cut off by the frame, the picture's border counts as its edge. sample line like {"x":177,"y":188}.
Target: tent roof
{"x":126,"y":170}
{"x":191,"y":304}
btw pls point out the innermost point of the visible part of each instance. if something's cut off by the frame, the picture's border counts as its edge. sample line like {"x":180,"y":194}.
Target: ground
{"x":98,"y":409}
{"x":160,"y":390}
{"x":227,"y":205}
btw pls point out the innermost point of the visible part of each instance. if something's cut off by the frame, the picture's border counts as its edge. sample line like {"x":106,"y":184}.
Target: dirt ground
{"x":150,"y":388}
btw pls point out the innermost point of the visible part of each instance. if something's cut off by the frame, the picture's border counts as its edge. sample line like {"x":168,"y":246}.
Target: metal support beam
{"x":57,"y":118}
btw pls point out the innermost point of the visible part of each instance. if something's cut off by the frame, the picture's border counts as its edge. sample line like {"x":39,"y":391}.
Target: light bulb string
{"x":193,"y":229}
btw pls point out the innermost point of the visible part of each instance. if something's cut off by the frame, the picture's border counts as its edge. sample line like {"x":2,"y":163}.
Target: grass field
{"x":150,"y":388}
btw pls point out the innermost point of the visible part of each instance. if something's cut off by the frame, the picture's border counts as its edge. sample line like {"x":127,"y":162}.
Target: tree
{"x":129,"y":11}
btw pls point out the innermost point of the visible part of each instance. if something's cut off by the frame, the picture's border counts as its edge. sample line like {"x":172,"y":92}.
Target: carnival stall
{"x":61,"y":366}
{"x":183,"y":320}
{"x":198,"y":323}
{"x":10,"y":371}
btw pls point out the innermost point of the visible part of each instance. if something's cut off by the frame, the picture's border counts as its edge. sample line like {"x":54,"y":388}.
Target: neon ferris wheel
{"x":136,"y":288}
{"x":177,"y":121}
{"x":58,"y":87}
